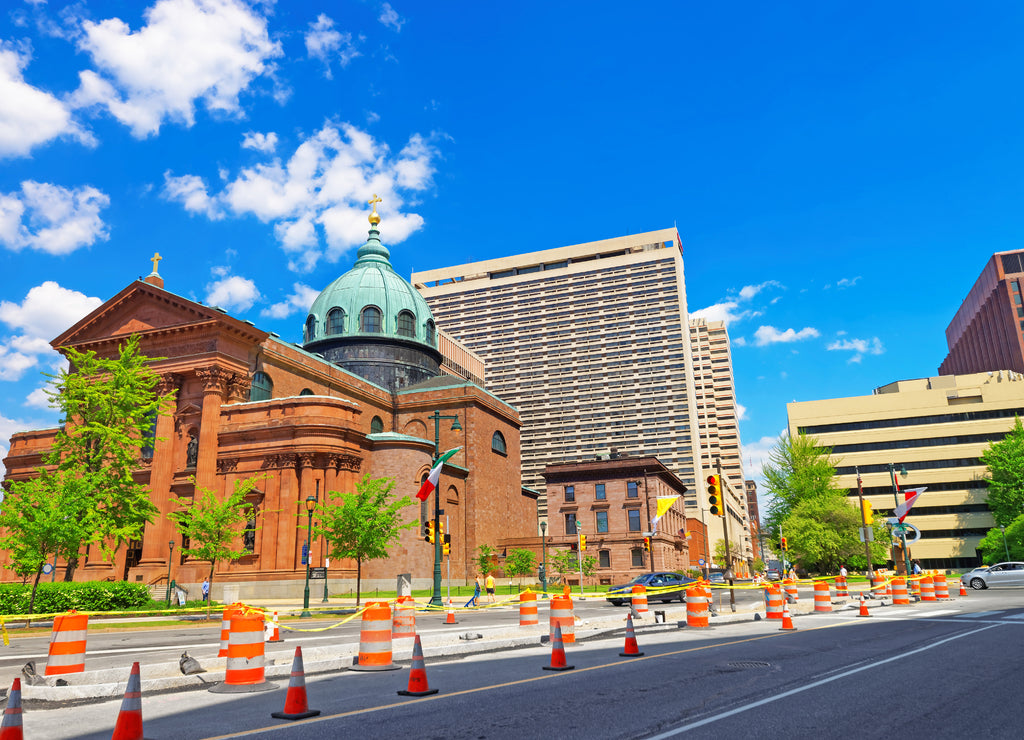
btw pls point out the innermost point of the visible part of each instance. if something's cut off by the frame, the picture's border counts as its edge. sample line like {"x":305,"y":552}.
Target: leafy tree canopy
{"x":993,"y":549}
{"x":797,"y":470}
{"x":1005,"y":462}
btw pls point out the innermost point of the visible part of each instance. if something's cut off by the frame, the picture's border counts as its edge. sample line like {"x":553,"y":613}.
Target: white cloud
{"x":320,"y":192}
{"x":47,"y":311}
{"x":190,"y":191}
{"x":739,"y":342}
{"x":301,"y":299}
{"x":38,"y":399}
{"x":770,"y":335}
{"x":30,"y":116}
{"x":232,"y":293}
{"x":859,"y":347}
{"x":741,"y":411}
{"x":325,"y":43}
{"x":847,"y":282}
{"x":52,"y":219}
{"x":729,"y":311}
{"x":188,"y":51}
{"x":266,"y":143}
{"x":389,"y":17}
{"x":749,"y":291}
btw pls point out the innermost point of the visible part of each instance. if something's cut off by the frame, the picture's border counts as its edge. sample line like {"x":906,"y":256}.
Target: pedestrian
{"x":206,"y":589}
{"x":842,"y":571}
{"x":477,"y":588}
{"x":917,"y":568}
{"x":490,"y":588}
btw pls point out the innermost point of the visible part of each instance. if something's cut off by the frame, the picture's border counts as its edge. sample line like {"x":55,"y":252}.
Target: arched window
{"x":336,"y":321}
{"x":430,"y":333}
{"x":149,"y":438}
{"x":369,"y":320}
{"x":262,"y":387}
{"x":498,"y":444}
{"x":306,"y":392}
{"x":406,"y":324}
{"x":310,"y":327}
{"x":376,"y":425}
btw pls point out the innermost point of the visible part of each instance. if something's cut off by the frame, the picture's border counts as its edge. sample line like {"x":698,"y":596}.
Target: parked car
{"x":773,"y":574}
{"x":675,"y":582}
{"x":1000,"y":574}
{"x":716,"y":577}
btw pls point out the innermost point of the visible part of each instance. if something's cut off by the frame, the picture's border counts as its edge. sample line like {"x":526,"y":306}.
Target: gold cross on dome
{"x":374,"y":201}
{"x":155,"y":259}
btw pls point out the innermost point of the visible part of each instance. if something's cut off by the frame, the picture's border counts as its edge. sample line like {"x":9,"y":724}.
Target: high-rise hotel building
{"x":719,"y":429}
{"x":591,"y":343}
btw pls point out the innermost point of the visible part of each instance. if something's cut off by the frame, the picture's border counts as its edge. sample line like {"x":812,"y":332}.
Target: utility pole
{"x":725,"y":531}
{"x":864,"y":523}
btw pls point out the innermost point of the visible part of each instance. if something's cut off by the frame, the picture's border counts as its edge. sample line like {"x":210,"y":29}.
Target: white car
{"x":1000,"y":574}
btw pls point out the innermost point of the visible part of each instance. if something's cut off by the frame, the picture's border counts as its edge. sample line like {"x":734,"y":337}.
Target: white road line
{"x":977,"y":615}
{"x":816,"y":684}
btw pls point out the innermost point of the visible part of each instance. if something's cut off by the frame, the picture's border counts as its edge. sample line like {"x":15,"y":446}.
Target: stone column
{"x":161,"y":529}
{"x":214,"y":384}
{"x":307,"y":488}
{"x":287,"y":521}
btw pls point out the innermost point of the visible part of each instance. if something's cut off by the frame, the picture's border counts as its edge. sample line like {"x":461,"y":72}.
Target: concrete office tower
{"x":589,"y":342}
{"x":987,"y":332}
{"x":935,"y":428}
{"x":720,"y":432}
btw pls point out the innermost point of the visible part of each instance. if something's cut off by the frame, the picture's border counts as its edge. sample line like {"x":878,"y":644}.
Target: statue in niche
{"x":249,"y":533}
{"x":192,"y":453}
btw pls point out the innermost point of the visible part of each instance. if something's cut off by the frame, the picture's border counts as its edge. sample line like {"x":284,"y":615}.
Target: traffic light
{"x":715,"y":502}
{"x":425,"y":529}
{"x":647,"y":543}
{"x":573,"y":546}
{"x":430,"y":532}
{"x":783,"y":544}
{"x":447,"y":547}
{"x":869,"y":515}
{"x":583,"y":541}
{"x":440,"y":524}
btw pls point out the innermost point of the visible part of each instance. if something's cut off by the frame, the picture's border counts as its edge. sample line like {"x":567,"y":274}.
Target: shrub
{"x":60,"y":597}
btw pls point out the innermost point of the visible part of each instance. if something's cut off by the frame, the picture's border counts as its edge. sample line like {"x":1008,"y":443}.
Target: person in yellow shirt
{"x":490,"y":587}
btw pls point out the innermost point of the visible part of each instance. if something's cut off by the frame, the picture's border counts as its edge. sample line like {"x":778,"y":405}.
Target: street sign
{"x":317,"y":574}
{"x":701,"y":561}
{"x":868,"y":531}
{"x":47,"y":568}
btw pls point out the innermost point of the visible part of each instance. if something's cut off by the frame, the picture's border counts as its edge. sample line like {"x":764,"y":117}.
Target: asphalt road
{"x":949,"y":669}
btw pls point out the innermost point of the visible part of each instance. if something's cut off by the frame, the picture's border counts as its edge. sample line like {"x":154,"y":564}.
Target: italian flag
{"x":903,"y":509}
{"x":435,"y":474}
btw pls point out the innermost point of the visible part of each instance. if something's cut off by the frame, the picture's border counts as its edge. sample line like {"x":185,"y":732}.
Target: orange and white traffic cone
{"x":787,"y":620}
{"x":863,"y":607}
{"x":296,"y":706}
{"x":631,"y":650}
{"x":11,"y":727}
{"x":558,"y":662}
{"x":129,"y":719}
{"x":963,"y":591}
{"x":275,"y":635}
{"x":418,"y":685}
{"x":450,"y":618}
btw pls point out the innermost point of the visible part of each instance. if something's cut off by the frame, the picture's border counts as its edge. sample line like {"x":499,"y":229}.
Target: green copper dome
{"x":370,"y":300}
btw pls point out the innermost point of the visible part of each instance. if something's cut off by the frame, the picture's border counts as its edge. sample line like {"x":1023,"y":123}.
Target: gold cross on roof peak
{"x":155,"y":259}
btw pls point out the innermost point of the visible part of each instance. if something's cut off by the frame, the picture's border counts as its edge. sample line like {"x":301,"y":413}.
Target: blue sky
{"x":839,"y":172}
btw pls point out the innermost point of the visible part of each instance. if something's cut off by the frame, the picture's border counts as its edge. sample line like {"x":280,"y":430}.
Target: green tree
{"x":993,"y":549}
{"x":363,"y":525}
{"x":109,"y":406}
{"x":822,"y":534}
{"x":485,"y":559}
{"x":1005,"y":463}
{"x":214,"y":526}
{"x":565,"y":564}
{"x":520,"y":563}
{"x":43,"y":517}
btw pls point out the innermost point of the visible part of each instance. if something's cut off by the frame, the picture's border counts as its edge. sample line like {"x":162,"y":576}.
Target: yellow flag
{"x":664,"y":504}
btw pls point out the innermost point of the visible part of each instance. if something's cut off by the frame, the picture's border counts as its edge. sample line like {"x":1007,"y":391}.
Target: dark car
{"x":675,"y":583}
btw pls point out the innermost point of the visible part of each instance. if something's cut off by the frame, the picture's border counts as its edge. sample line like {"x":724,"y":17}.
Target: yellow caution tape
{"x":3,"y":629}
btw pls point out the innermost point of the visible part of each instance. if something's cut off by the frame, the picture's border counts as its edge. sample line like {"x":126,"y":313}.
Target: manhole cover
{"x":744,"y":664}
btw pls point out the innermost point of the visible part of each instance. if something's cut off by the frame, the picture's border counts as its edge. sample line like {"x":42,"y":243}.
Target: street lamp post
{"x":896,"y":500}
{"x":435,"y":598}
{"x":544,"y":556}
{"x":310,"y":505}
{"x":579,"y":553}
{"x":170,"y":559}
{"x":1005,"y":548}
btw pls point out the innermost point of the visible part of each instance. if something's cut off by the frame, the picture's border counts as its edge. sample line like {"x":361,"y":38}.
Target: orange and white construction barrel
{"x":927,"y":589}
{"x":773,"y":601}
{"x":225,"y":627}
{"x":562,"y":616}
{"x":67,"y":644}
{"x":403,"y":622}
{"x":696,"y":607}
{"x":245,"y":671}
{"x":528,"y":609}
{"x":900,"y":597}
{"x":792,"y":590}
{"x":375,"y":639}
{"x":639,"y":600}
{"x":941,"y":587}
{"x":842,"y":590}
{"x":822,"y":597}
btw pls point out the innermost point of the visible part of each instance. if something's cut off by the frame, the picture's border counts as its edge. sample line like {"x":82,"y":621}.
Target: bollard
{"x":562,"y":616}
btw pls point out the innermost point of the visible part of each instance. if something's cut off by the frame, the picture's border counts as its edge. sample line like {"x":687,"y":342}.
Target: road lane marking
{"x":816,"y":684}
{"x":977,"y":615}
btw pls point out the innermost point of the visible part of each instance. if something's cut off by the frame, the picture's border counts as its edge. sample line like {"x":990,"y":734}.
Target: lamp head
{"x":543,"y":527}
{"x":903,"y":471}
{"x":171,"y":544}
{"x":310,"y":504}
{"x":456,"y":427}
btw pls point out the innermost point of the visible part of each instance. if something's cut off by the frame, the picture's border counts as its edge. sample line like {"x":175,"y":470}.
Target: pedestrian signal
{"x":716,"y":505}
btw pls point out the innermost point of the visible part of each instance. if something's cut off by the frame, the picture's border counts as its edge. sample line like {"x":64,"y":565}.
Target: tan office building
{"x":935,"y":428}
{"x":590,"y":343}
{"x":720,"y":433}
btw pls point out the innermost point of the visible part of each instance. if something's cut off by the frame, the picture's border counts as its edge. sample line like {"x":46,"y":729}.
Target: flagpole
{"x":903,"y":532}
{"x":435,"y":598}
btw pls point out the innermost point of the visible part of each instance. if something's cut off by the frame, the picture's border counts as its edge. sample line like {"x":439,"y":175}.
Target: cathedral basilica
{"x":374,"y":386}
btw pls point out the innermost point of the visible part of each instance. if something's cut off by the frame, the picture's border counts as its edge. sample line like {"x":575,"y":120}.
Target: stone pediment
{"x":141,"y":308}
